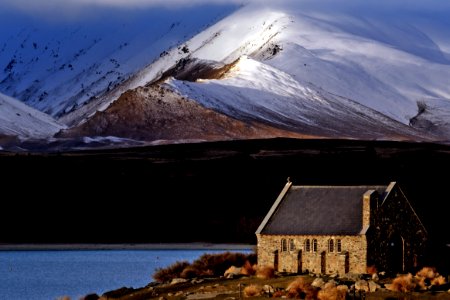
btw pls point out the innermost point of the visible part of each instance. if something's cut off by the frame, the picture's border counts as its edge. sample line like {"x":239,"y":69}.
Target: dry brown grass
{"x":403,"y":283}
{"x":265,"y":272}
{"x":279,"y":294}
{"x":440,"y":280}
{"x":423,"y":280}
{"x":332,"y":293}
{"x":428,"y":276}
{"x":253,"y":290}
{"x":427,"y":272}
{"x":301,"y":289}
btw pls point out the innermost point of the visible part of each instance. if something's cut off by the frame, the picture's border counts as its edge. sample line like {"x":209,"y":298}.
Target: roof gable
{"x":318,"y":210}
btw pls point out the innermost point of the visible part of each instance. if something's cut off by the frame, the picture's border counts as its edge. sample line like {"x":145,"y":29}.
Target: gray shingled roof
{"x":329,"y":210}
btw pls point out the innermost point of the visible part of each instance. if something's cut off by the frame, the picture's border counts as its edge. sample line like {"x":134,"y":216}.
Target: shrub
{"x":302,"y":289}
{"x":205,"y":265}
{"x":428,"y":276}
{"x":171,"y":272}
{"x":217,"y":264}
{"x":332,"y":292}
{"x":248,"y":269}
{"x":190,"y":272}
{"x":423,"y":280}
{"x":265,"y":272}
{"x":440,"y":280}
{"x":427,"y":272}
{"x":252,"y":290}
{"x":372,"y":270}
{"x":403,"y":283}
{"x":278,"y":294}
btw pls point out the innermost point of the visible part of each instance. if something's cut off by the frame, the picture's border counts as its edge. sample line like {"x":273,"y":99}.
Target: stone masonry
{"x":288,"y":261}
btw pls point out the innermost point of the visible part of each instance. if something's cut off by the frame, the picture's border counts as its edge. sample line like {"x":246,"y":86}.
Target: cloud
{"x":53,"y":5}
{"x":57,"y":10}
{"x":81,"y":8}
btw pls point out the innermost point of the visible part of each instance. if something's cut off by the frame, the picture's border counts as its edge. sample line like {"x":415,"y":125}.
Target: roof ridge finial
{"x":289,"y":179}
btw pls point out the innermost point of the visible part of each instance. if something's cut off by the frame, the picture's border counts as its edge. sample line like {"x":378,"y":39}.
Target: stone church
{"x":341,"y":229}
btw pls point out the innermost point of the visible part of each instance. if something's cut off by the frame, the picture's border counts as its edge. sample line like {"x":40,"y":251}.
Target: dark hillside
{"x":215,"y":192}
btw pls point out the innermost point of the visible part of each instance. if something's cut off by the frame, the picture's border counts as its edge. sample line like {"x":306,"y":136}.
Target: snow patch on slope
{"x":18,"y":119}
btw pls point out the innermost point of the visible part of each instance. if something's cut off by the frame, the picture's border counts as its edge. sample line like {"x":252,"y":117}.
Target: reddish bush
{"x":217,"y":264}
{"x":171,"y":272}
{"x":301,"y":289}
{"x":190,"y":272}
{"x":248,"y":269}
{"x":372,"y":270}
{"x":205,"y":265}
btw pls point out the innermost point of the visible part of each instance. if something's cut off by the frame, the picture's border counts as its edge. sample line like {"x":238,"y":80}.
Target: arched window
{"x":314,"y":245}
{"x":283,"y":245}
{"x":338,"y":245}
{"x":307,"y":245}
{"x":291,"y":245}
{"x":330,"y":245}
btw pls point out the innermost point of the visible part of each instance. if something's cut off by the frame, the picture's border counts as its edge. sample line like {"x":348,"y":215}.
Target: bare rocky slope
{"x":156,"y":113}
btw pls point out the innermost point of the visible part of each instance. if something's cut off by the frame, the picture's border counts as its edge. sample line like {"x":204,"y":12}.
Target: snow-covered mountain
{"x":20,"y":120}
{"x":58,"y":66}
{"x":351,"y":69}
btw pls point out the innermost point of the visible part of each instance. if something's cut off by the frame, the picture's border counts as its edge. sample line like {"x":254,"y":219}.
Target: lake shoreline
{"x":124,"y":246}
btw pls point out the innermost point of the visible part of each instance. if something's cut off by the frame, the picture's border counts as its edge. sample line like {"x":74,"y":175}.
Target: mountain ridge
{"x":294,"y":68}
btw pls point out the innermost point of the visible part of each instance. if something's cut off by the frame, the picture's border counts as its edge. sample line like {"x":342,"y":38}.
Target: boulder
{"x":178,"y":280}
{"x":232,"y":270}
{"x":373,"y":286}
{"x":268,"y":289}
{"x":318,"y":283}
{"x":362,"y":285}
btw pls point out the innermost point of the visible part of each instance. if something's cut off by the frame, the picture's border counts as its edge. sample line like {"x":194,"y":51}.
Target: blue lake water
{"x":48,"y":275}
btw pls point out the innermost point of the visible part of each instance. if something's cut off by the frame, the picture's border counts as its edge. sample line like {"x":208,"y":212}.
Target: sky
{"x":73,"y":10}
{"x":54,"y":5}
{"x":70,"y":10}
{"x":74,"y":6}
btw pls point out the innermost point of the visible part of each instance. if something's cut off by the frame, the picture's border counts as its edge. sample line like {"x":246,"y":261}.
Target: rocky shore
{"x":236,"y":286}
